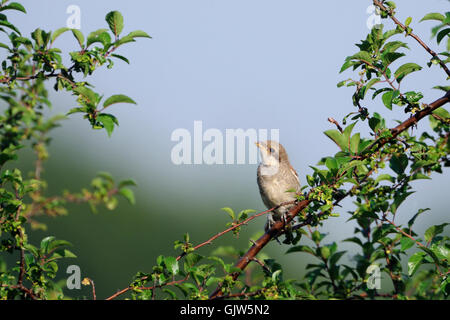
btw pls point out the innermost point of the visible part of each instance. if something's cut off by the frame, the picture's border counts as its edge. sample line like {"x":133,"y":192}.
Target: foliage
{"x":31,"y":65}
{"x":376,"y":171}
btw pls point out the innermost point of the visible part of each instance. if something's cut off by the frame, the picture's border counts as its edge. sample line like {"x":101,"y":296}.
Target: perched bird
{"x":277,"y":180}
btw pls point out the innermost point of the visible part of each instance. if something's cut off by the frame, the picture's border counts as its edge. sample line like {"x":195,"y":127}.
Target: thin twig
{"x":332,"y":120}
{"x":403,"y":27}
{"x":210,"y":240}
{"x":146,"y":288}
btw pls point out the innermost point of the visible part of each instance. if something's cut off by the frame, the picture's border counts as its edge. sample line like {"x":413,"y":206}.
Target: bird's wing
{"x":295,"y":173}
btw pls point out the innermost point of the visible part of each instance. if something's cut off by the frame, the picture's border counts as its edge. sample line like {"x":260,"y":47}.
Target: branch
{"x":332,"y":120}
{"x":210,"y":240}
{"x":293,"y":212}
{"x":401,"y":25}
{"x":241,"y":294}
{"x":21,"y":288}
{"x":146,"y":288}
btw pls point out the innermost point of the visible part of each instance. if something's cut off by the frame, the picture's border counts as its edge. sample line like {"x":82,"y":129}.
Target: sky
{"x":230,"y":64}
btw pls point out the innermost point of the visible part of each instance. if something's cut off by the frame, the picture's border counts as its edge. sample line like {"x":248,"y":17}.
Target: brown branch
{"x":332,"y":120}
{"x":293,"y":212}
{"x":241,"y":294}
{"x":210,"y":240}
{"x":266,"y":268}
{"x":94,"y":296}
{"x":364,"y":295}
{"x":21,"y":288}
{"x":412,"y":120}
{"x":403,"y":27}
{"x":118,"y":293}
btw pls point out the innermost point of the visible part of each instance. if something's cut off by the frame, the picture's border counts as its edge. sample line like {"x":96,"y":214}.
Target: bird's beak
{"x":258,"y":144}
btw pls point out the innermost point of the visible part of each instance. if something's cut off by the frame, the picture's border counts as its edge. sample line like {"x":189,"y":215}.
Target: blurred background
{"x":231,"y":64}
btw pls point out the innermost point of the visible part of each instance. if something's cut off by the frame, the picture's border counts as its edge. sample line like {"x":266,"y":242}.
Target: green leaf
{"x":335,"y":257}
{"x":316,"y":237}
{"x":442,"y":112}
{"x":120,"y":57}
{"x":37,"y":36}
{"x":108,"y":121}
{"x":354,"y":240}
{"x":377,"y":92}
{"x":408,"y":21}
{"x":9,"y":25}
{"x":433,"y":16}
{"x":413,"y":219}
{"x":442,"y":88}
{"x":2,"y":45}
{"x":325,"y":252}
{"x":406,"y":69}
{"x":77,"y":110}
{"x":89,"y":95}
{"x":128,"y":182}
{"x":79,"y":36}
{"x":363,"y":56}
{"x":337,"y":137}
{"x":354,"y":143}
{"x":398,"y":200}
{"x":94,"y":36}
{"x":398,"y":163}
{"x":301,"y":249}
{"x":348,"y":63}
{"x":388,"y":97}
{"x":331,"y":163}
{"x":244,"y":214}
{"x":369,"y":85}
{"x":13,"y":6}
{"x":58,"y":32}
{"x":172,"y":265}
{"x":63,"y":253}
{"x":433,"y":231}
{"x":350,"y":165}
{"x":393,"y":46}
{"x":414,"y":262}
{"x":128,"y":194}
{"x":390,"y":57}
{"x":347,"y":133}
{"x":386,"y":177}
{"x":406,"y":243}
{"x":117,"y":98}
{"x":138,"y":34}
{"x":45,"y":243}
{"x":442,"y":34}
{"x":441,"y":251}
{"x":191,"y":259}
{"x":115,"y":22}
{"x":123,"y":40}
{"x":58,"y":243}
{"x":230,"y":212}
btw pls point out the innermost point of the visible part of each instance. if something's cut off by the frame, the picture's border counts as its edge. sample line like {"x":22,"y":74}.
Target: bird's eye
{"x":272,"y":150}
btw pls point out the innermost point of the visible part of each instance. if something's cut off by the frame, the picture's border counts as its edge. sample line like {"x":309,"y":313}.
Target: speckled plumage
{"x":275,"y":176}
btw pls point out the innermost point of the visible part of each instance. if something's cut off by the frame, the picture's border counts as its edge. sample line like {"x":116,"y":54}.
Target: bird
{"x":277,"y":180}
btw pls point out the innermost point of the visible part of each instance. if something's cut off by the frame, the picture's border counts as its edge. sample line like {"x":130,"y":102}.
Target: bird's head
{"x":272,"y":153}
